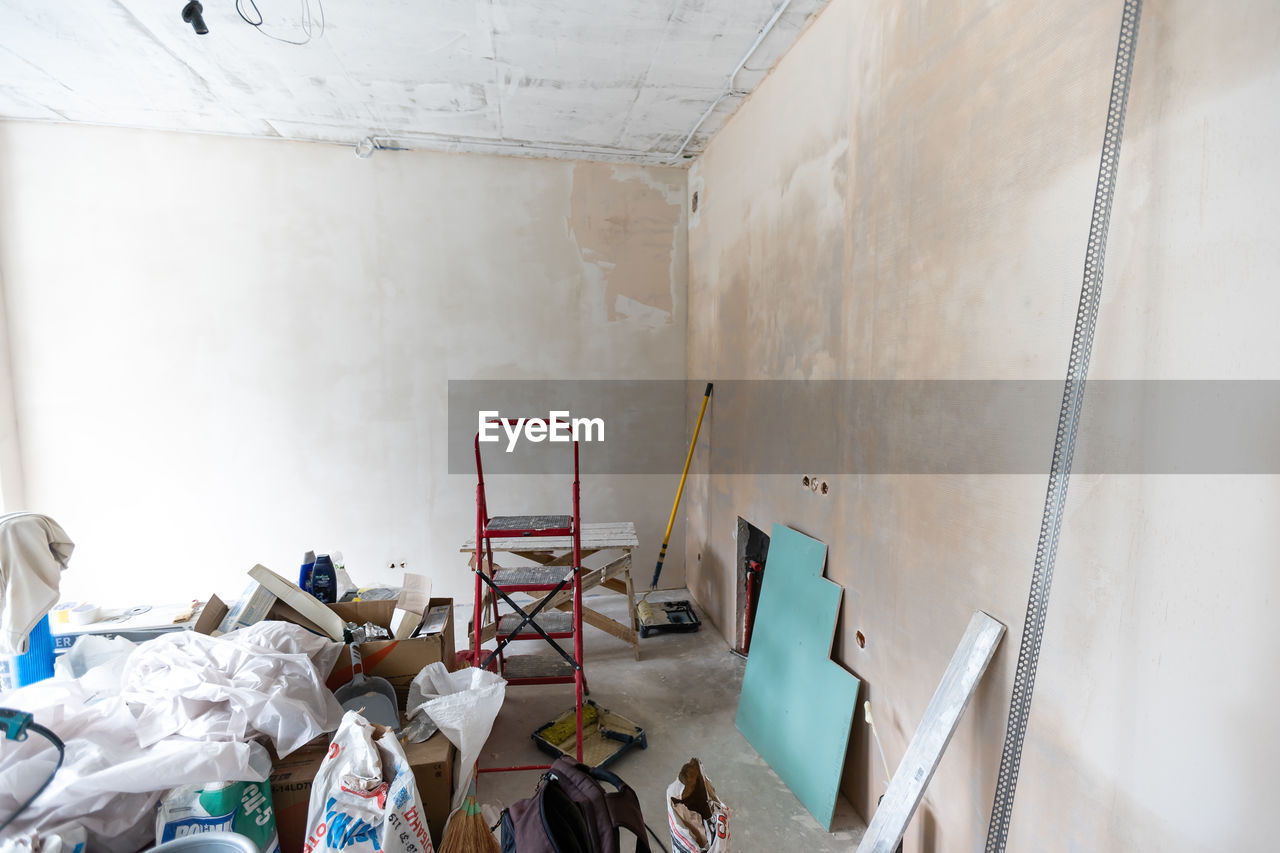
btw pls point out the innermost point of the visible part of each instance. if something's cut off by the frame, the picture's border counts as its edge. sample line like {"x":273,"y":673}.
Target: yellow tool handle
{"x":671,"y":522}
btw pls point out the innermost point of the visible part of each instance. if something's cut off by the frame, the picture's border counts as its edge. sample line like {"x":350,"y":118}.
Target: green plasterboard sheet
{"x":797,"y":704}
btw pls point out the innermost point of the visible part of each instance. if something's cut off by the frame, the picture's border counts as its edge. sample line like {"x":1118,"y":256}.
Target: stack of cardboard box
{"x":398,"y":661}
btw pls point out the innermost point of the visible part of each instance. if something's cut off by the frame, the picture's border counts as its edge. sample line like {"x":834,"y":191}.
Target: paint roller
{"x":643,"y":608}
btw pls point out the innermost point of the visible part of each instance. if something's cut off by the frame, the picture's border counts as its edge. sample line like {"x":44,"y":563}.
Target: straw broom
{"x":467,"y":832}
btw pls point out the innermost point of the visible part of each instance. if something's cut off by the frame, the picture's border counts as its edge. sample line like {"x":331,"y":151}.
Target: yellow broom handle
{"x":671,"y":522}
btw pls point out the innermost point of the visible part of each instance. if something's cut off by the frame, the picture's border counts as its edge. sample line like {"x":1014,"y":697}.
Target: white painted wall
{"x":907,"y":195}
{"x":229,"y":351}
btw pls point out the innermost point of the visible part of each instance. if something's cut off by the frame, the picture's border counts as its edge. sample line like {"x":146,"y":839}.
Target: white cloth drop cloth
{"x":33,"y":552}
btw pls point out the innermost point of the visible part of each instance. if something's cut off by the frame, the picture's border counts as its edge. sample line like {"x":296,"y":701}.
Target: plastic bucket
{"x":209,"y":842}
{"x":36,"y":664}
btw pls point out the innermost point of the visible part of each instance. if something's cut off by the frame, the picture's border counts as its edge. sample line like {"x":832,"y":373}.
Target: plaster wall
{"x":907,"y":195}
{"x":228,"y":351}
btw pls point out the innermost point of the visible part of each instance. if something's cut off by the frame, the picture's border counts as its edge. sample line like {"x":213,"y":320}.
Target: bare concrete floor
{"x":684,"y":693}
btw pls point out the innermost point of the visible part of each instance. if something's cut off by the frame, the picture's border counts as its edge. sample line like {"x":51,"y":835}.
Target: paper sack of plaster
{"x":699,"y":821}
{"x":364,"y":798}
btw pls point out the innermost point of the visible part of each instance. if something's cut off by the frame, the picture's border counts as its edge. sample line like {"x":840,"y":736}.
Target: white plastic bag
{"x":698,"y":820}
{"x":464,"y":705}
{"x":364,"y":798}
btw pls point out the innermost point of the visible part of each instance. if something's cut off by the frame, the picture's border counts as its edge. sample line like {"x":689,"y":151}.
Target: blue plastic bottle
{"x":324,"y":580}
{"x":304,"y":574}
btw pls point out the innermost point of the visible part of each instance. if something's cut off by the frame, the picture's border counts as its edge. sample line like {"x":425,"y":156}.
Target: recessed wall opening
{"x":753,"y":548}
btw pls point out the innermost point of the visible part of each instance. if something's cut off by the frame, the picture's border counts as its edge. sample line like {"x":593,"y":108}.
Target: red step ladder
{"x":545,"y":583}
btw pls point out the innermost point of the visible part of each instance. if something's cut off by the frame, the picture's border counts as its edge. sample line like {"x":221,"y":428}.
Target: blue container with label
{"x":37,"y":663}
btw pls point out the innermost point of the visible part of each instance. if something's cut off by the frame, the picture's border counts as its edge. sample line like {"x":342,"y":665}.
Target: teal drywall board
{"x":797,"y":704}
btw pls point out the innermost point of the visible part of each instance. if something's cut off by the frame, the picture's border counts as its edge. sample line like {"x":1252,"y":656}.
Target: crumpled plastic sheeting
{"x":111,"y":780}
{"x":91,"y":650}
{"x":229,"y":688}
{"x":464,"y":705}
{"x":49,"y":842}
{"x":107,"y":783}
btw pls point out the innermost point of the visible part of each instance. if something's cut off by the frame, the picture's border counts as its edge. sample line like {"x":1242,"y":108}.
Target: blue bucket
{"x":37,"y":663}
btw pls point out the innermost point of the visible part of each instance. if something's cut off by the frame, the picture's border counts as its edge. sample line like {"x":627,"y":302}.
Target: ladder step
{"x":557,"y":623}
{"x":505,"y":526}
{"x":530,"y":578}
{"x":537,"y":669}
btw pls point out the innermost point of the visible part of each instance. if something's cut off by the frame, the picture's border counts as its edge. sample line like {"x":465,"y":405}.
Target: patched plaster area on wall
{"x":621,"y":220}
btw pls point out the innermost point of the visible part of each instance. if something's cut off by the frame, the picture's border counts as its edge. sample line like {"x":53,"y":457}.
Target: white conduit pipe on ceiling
{"x":729,"y":89}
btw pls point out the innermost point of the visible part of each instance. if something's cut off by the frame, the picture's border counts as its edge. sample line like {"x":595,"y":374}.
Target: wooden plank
{"x":631,"y":612}
{"x":932,"y":735}
{"x":595,"y":577}
{"x":797,"y":704}
{"x":558,"y":543}
{"x":621,"y":566}
{"x":604,"y":623}
{"x":599,"y":535}
{"x":608,"y":526}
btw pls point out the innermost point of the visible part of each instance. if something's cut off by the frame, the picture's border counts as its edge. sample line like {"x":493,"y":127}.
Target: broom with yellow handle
{"x":643,"y":608}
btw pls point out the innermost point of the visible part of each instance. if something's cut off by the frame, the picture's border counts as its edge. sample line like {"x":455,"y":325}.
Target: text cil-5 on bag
{"x":364,"y":798}
{"x":699,"y":821}
{"x":243,"y":807}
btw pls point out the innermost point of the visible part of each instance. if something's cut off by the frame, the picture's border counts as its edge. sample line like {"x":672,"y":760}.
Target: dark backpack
{"x":572,"y":813}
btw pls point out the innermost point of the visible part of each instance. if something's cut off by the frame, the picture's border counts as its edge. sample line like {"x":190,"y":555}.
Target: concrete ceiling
{"x":608,"y":79}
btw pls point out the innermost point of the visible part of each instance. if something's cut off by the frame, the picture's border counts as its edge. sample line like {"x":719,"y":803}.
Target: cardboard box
{"x":432,"y":763}
{"x":398,"y":661}
{"x":252,"y":607}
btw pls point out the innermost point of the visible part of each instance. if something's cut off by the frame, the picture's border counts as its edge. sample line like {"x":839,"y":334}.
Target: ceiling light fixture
{"x":191,"y":14}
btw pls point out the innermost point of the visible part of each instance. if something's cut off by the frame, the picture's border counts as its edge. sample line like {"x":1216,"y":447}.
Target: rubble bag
{"x":698,"y":819}
{"x":571,"y":812}
{"x":364,"y":798}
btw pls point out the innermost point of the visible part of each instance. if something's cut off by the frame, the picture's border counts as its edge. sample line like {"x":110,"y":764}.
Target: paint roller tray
{"x":670,"y":617}
{"x":605,"y":735}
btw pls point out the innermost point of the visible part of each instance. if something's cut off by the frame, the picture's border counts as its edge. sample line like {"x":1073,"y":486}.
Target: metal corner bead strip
{"x":1064,"y":444}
